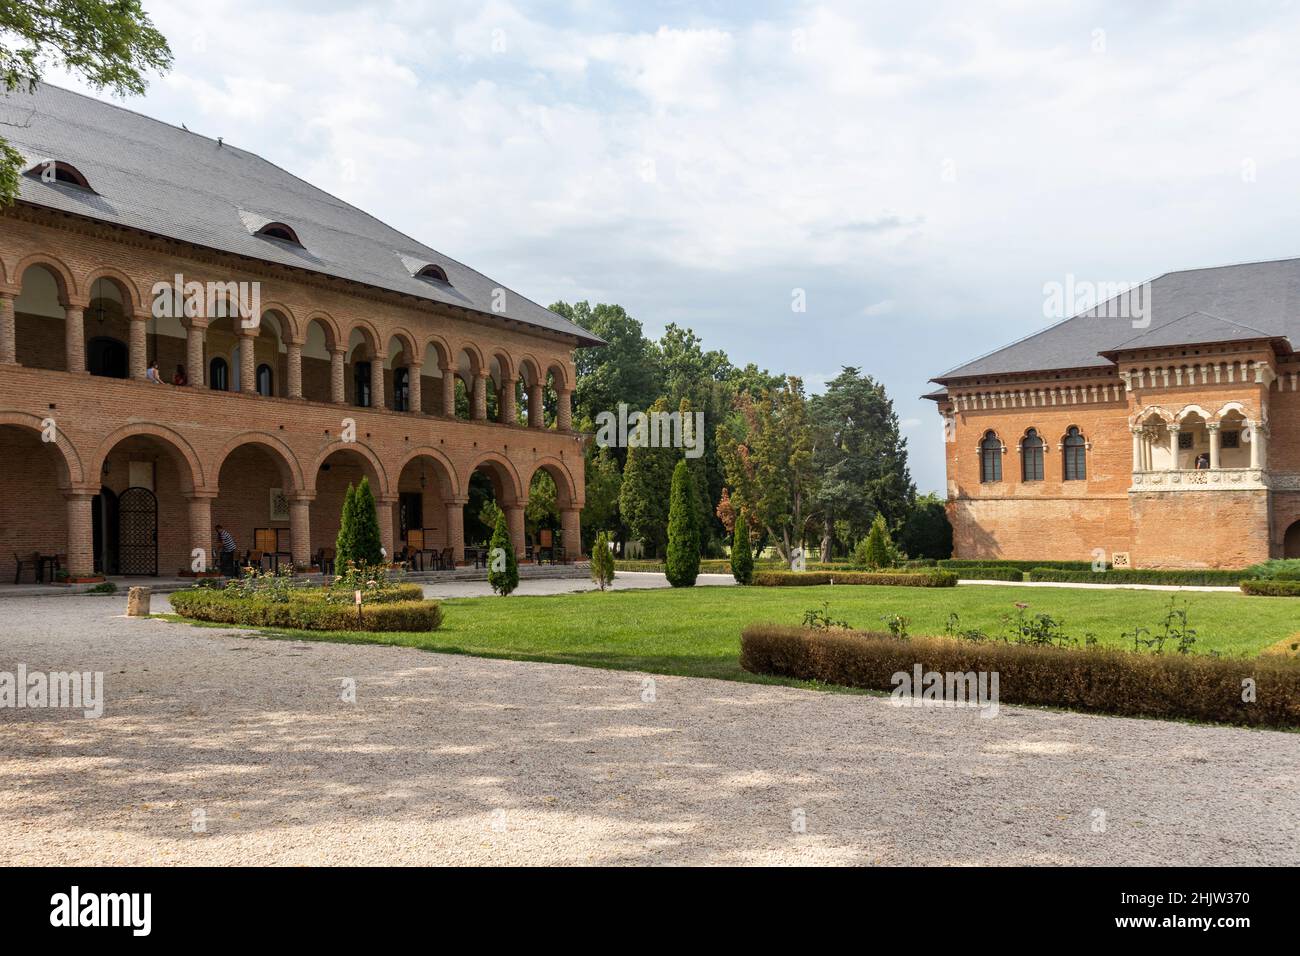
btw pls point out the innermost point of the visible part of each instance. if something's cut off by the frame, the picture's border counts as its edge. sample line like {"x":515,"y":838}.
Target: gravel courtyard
{"x":448,"y":759}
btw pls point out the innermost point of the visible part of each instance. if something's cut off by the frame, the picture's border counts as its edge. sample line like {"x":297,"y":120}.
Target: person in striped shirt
{"x":226,"y":551}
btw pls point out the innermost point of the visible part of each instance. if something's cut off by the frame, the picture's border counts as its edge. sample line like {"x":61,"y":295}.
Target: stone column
{"x":338,"y":394}
{"x":448,"y":391}
{"x":247,"y":361}
{"x":1256,"y":444}
{"x":570,"y":521}
{"x":564,"y":410}
{"x":384,"y":511}
{"x":81,"y":541}
{"x":509,"y":410}
{"x":377,"y":385}
{"x":8,"y":330}
{"x":515,"y":521}
{"x":196,"y":368}
{"x":479,"y":402}
{"x":75,"y":342}
{"x":1213,"y":429}
{"x":295,"y":370}
{"x":1137,"y":448}
{"x":139,"y":346}
{"x":300,"y":528}
{"x":456,"y":528}
{"x":1174,"y":429}
{"x":535,"y":417}
{"x":415,"y":394}
{"x":201,"y":531}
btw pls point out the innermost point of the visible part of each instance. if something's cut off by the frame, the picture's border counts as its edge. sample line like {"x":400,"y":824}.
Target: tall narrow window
{"x":219,"y":375}
{"x":1031,"y":457}
{"x":361,"y":383}
{"x":990,"y":458}
{"x":265,"y":381}
{"x":1076,"y":457}
{"x":402,"y":389}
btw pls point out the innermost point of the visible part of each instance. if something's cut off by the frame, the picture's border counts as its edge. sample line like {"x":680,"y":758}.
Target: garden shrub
{"x":602,"y":561}
{"x":742,"y":555}
{"x":311,"y":613}
{"x":1203,"y":577}
{"x":955,"y":564}
{"x":1279,"y":569}
{"x":683,"y":564}
{"x":994,"y":573}
{"x":909,"y":579}
{"x":1102,"y":680}
{"x":1279,"y":588}
{"x":503,"y":566}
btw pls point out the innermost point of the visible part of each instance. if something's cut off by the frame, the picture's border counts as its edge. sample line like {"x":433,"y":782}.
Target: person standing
{"x":226,"y":551}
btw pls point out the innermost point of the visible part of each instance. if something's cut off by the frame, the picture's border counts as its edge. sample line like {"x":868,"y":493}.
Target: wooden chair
{"x":545,"y":546}
{"x":414,"y":550}
{"x":254,"y":559}
{"x":32,"y":561}
{"x":448,"y":560}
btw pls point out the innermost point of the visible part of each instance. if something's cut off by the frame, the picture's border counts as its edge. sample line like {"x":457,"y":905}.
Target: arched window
{"x":219,"y":375}
{"x":265,"y":381}
{"x":1031,"y":456}
{"x":278,"y":230}
{"x":57,"y":171}
{"x":990,"y":458}
{"x":402,"y":389}
{"x":434,"y":272}
{"x":361,"y":383}
{"x":1076,"y":456}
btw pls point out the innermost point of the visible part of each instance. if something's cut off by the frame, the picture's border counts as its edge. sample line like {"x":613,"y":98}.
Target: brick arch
{"x":438,"y":456}
{"x":515,"y":493}
{"x":1291,"y":538}
{"x":506,"y":363}
{"x":273,"y":445}
{"x":530,"y":369}
{"x":70,"y":467}
{"x":368,"y":330}
{"x":566,"y":488}
{"x":4,"y":273}
{"x":1160,"y":412}
{"x":444,"y":350}
{"x":125,"y":284}
{"x":68,"y":291}
{"x":290,"y":330}
{"x":408,"y":345}
{"x":331,"y":327}
{"x":1193,"y":409}
{"x":361,"y":448}
{"x":163,"y":433}
{"x":475,"y":355}
{"x":1231,"y":407}
{"x":561,"y":373}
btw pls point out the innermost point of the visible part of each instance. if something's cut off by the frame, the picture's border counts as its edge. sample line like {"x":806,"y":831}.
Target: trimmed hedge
{"x":1279,"y":588}
{"x":993,"y":573}
{"x":723,"y":565}
{"x":955,"y":564}
{"x":307,"y":613}
{"x":1102,"y":680}
{"x":1205,"y":577}
{"x":906,"y":579}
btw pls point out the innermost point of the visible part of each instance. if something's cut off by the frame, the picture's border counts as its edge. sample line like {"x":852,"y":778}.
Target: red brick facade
{"x":1235,"y":404}
{"x":211,"y":456}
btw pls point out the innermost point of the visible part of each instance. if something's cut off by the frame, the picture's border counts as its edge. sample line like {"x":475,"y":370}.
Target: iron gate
{"x":137,"y":516}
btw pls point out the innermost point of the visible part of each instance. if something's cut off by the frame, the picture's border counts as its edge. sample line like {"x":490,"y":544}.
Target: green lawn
{"x":696,"y":631}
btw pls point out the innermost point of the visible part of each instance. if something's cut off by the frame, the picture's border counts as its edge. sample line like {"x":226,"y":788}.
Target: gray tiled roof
{"x":167,"y":181}
{"x":1222,"y":304}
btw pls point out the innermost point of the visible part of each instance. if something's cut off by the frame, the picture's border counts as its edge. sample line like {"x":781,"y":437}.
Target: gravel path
{"x":446,"y":759}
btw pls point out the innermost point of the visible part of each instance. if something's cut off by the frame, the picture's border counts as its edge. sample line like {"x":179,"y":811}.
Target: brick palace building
{"x":352,"y":366}
{"x":1161,"y":426}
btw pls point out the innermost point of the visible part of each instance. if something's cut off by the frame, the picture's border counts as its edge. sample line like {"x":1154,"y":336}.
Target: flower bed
{"x":401,"y":608}
{"x":1103,"y":680}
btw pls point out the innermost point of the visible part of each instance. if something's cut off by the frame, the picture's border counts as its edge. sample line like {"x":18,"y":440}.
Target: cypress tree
{"x":880,"y":550}
{"x":345,"y":543}
{"x":367,"y":545}
{"x":602,"y":561}
{"x":503,"y":566}
{"x":683,"y":529}
{"x":643,"y":494}
{"x":742,"y":556}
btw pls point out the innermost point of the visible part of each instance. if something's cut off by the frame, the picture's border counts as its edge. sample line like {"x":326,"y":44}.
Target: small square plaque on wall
{"x":1120,"y":560}
{"x":279,"y":505}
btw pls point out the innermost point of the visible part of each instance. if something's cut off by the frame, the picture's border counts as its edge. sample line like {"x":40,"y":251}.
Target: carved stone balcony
{"x":1201,"y":479}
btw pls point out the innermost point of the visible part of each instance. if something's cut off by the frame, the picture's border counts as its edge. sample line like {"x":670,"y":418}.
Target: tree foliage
{"x":109,"y":43}
{"x":927,"y":532}
{"x":683,"y":565}
{"x":345,"y":540}
{"x":602,"y":560}
{"x":742,"y":557}
{"x":503,"y":564}
{"x":367,"y":545}
{"x":643,"y":496}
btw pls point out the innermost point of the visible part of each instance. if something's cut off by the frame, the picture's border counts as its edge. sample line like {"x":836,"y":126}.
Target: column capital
{"x":9,"y":291}
{"x":195,"y":322}
{"x":140,"y":315}
{"x":200,"y":493}
{"x":415,"y":365}
{"x":1213,"y":426}
{"x":301,"y":497}
{"x":462,"y":501}
{"x":1174,"y":426}
{"x":338,"y":350}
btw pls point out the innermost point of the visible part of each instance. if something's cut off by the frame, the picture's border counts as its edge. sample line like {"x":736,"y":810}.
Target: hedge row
{"x":1103,"y":680}
{"x":991,"y":573}
{"x":307,"y":614}
{"x":1282,"y":588}
{"x":723,"y":566}
{"x":958,"y":563}
{"x":907,"y":579}
{"x":1202,"y":577}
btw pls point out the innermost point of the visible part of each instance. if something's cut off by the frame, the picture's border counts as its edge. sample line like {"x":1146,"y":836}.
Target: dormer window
{"x":57,"y":171}
{"x":278,"y":230}
{"x":434,"y":272}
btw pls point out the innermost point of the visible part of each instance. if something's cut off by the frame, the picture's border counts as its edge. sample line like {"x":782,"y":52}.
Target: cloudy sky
{"x":919,"y":170}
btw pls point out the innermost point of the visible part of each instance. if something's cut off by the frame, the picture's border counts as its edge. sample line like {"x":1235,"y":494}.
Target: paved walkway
{"x":216,"y":748}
